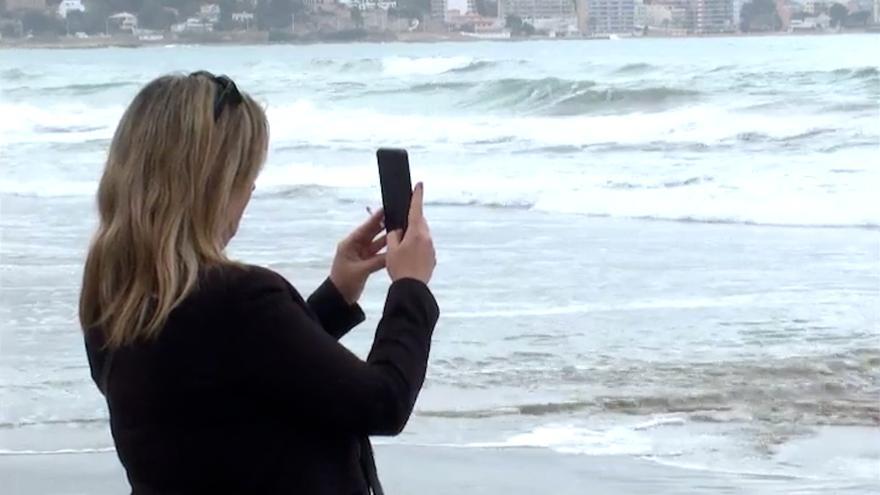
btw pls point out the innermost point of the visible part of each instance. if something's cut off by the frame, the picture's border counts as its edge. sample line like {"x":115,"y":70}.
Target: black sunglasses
{"x":227,"y":92}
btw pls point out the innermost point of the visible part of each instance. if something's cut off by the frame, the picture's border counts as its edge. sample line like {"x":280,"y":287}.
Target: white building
{"x":438,"y":9}
{"x":209,"y":13}
{"x":193,"y":25}
{"x":737,"y":11}
{"x":713,"y":16}
{"x":124,"y":21}
{"x":245,"y":18}
{"x":539,"y":9}
{"x":820,"y":22}
{"x":242,"y":17}
{"x":369,"y":4}
{"x":67,"y":6}
{"x":611,"y":16}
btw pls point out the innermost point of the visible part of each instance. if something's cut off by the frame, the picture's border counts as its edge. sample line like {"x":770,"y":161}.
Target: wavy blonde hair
{"x":164,"y":200}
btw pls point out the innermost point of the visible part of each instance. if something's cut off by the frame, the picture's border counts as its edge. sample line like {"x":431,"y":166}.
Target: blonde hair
{"x":163,"y":200}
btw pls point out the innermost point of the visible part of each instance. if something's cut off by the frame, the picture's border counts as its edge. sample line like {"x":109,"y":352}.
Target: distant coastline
{"x":263,"y":38}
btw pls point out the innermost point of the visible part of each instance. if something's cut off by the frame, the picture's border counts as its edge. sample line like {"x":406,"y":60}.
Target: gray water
{"x":661,"y":249}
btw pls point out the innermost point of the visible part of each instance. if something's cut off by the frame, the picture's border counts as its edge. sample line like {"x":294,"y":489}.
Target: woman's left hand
{"x":357,"y":257}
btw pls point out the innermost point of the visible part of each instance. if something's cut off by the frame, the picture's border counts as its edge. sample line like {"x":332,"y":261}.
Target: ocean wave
{"x":635,"y":68}
{"x":766,"y":80}
{"x":93,"y":450}
{"x":549,"y":96}
{"x":573,"y":439}
{"x":397,"y":66}
{"x":561,"y":97}
{"x":77,"y":89}
{"x":26,"y":423}
{"x":16,"y":74}
{"x":867,"y":72}
{"x":761,"y":137}
{"x":474,"y":66}
{"x":839,"y":389}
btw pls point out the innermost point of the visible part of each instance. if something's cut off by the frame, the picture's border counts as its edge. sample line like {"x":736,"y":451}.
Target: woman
{"x":219,"y":376}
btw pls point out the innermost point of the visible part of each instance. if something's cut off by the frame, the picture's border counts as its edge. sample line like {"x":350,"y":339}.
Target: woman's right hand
{"x":412,"y":255}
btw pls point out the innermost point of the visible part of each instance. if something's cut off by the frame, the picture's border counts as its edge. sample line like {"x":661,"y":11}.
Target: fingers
{"x":374,"y":264}
{"x":415,"y":207}
{"x":377,"y":245}
{"x":370,"y":227}
{"x":393,"y":238}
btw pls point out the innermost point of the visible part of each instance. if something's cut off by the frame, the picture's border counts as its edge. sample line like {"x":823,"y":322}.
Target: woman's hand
{"x":412,"y":255}
{"x":357,"y":256}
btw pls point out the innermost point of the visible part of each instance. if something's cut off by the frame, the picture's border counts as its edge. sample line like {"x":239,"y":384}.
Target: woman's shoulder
{"x":241,"y":278}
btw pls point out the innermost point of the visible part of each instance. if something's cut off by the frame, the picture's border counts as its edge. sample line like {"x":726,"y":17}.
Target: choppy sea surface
{"x":665,"y":249}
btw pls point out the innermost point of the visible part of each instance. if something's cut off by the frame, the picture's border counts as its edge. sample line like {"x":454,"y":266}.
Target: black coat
{"x":246,"y":389}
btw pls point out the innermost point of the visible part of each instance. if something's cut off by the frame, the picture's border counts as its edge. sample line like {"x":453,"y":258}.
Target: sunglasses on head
{"x":227,"y":92}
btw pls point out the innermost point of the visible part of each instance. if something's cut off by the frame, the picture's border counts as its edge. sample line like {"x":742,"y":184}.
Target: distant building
{"x":242,"y":17}
{"x":363,"y":5}
{"x":209,"y":13}
{"x":784,"y":13}
{"x":539,"y":9}
{"x":320,"y":5}
{"x":816,"y":6}
{"x":737,"y":12}
{"x":713,"y":16}
{"x":582,"y":14}
{"x":876,"y":11}
{"x":611,"y":16}
{"x":123,"y":21}
{"x":438,"y":9}
{"x":193,"y":25}
{"x":670,"y":17}
{"x":817,"y":23}
{"x":474,"y":21}
{"x":246,"y":18}
{"x":67,"y":6}
{"x":12,"y":5}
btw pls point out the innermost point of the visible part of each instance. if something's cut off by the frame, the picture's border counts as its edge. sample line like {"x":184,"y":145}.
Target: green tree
{"x":759,"y":15}
{"x":838,"y":14}
{"x":487,"y":8}
{"x":415,"y":8}
{"x":858,"y":19}
{"x":75,"y":22}
{"x":277,"y":14}
{"x":153,"y":15}
{"x":357,"y":17}
{"x":518,"y":27}
{"x":40,"y":23}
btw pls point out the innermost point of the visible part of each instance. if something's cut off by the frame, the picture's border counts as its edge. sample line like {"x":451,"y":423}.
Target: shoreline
{"x":442,"y":470}
{"x":262,"y":39}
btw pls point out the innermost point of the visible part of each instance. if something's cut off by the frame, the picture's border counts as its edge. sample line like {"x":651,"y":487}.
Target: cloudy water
{"x":666,"y":249}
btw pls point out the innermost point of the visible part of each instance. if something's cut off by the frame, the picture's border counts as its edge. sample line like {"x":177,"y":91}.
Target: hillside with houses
{"x":100,"y":22}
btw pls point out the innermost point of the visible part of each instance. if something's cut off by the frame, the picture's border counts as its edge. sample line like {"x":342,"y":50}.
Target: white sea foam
{"x":570,"y":439}
{"x":423,"y":66}
{"x":95,"y":450}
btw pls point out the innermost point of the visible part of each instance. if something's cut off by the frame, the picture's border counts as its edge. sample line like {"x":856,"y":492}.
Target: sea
{"x":656,"y":249}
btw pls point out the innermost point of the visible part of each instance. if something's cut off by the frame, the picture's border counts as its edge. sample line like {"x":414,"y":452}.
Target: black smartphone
{"x":396,"y":187}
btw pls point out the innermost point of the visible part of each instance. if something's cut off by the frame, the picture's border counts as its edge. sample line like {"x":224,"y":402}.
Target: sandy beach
{"x":442,"y":471}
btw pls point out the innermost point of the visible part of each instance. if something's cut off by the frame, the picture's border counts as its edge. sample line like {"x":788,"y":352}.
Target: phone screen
{"x":396,"y":187}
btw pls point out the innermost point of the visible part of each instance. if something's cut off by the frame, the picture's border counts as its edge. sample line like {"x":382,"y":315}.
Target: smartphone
{"x":396,"y":187}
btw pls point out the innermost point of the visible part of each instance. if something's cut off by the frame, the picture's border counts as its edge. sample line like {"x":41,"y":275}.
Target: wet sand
{"x":441,"y":471}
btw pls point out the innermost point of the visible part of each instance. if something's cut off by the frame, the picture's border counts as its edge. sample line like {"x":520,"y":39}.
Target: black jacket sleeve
{"x":333,"y":311}
{"x":286,"y":359}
